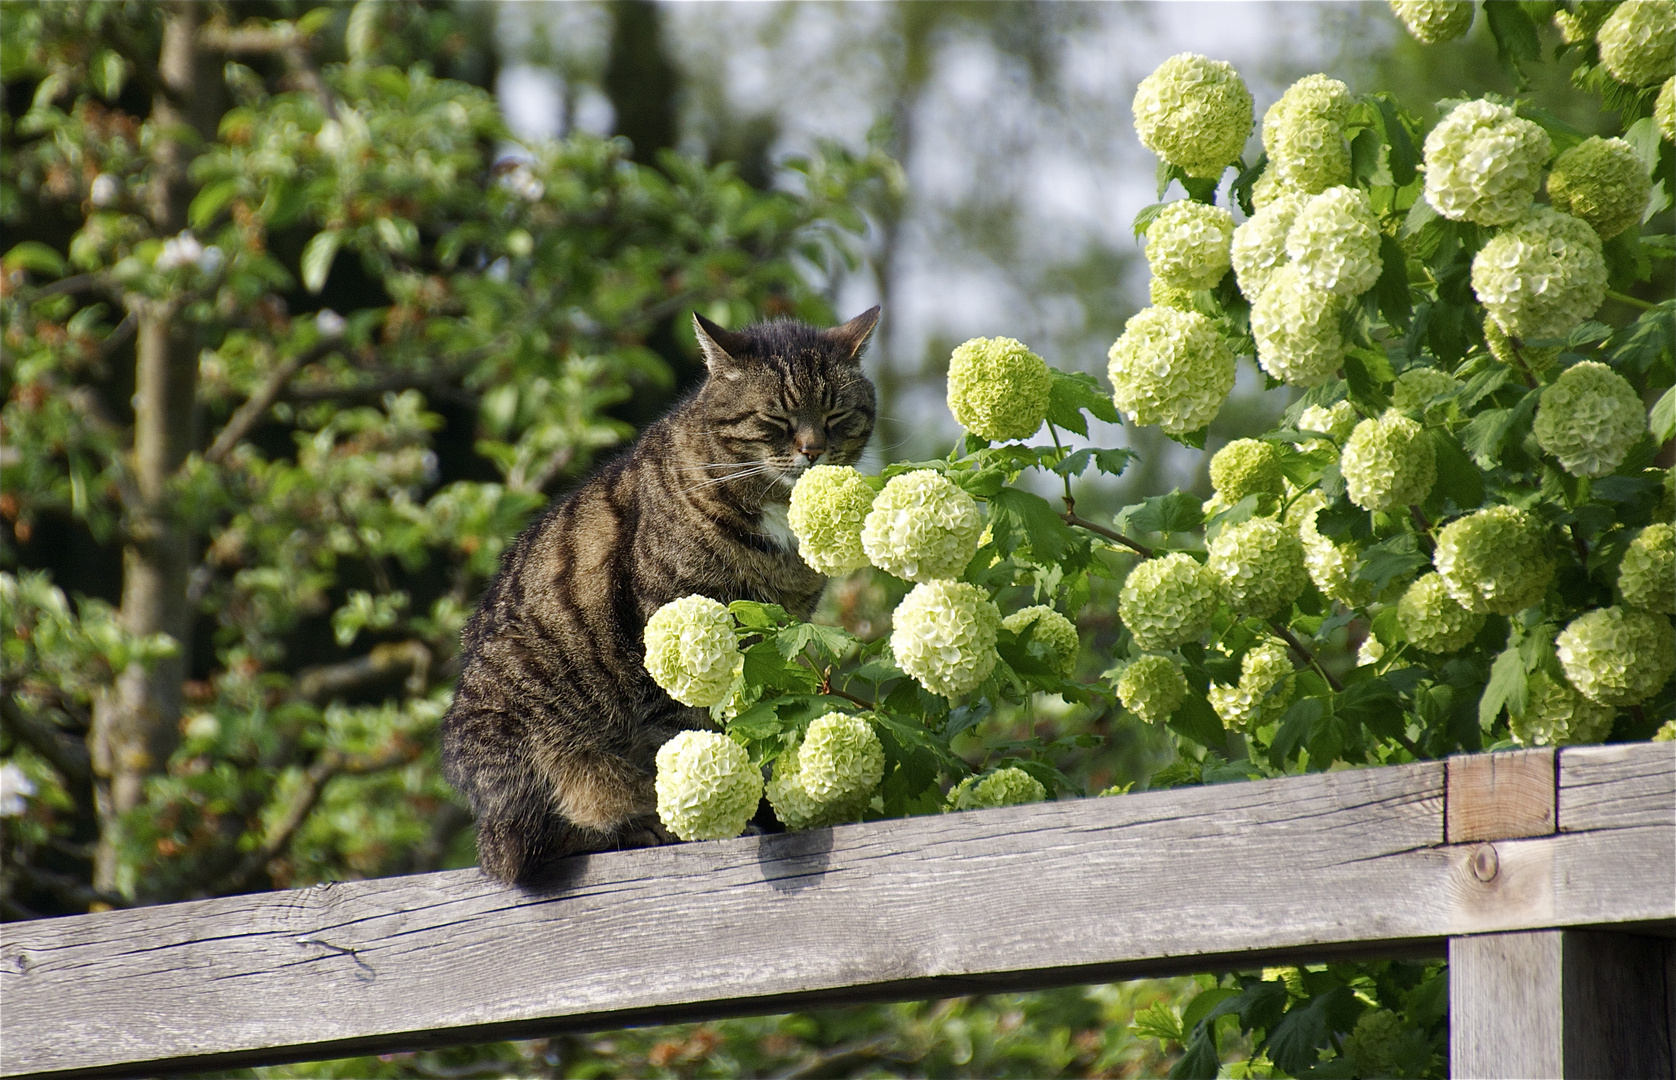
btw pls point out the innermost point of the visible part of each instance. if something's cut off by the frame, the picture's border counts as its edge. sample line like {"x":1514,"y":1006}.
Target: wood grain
{"x":1229,"y":876}
{"x":1500,"y":796}
{"x":1620,"y":786}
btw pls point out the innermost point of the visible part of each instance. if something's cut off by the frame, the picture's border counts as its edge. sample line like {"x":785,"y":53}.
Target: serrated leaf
{"x":1390,"y":559}
{"x":1145,"y":217}
{"x":1110,"y":462}
{"x":1402,"y":158}
{"x":1202,"y":1061}
{"x":1204,"y":1005}
{"x":757,"y":616}
{"x":1392,"y":287}
{"x":1179,"y":511}
{"x":1294,"y":730}
{"x":317,"y":259}
{"x":1296,"y":1042}
{"x":1195,"y":719}
{"x":1070,"y":394}
{"x":1158,"y":1021}
{"x":1507,"y":687}
{"x":1458,"y":478}
{"x":1516,"y":40}
{"x":1662,"y":419}
{"x":1368,"y":372}
{"x":1489,"y":432}
{"x":1019,"y":518}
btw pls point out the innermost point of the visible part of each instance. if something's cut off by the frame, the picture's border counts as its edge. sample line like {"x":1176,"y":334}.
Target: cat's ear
{"x":852,"y":337}
{"x":720,"y":347}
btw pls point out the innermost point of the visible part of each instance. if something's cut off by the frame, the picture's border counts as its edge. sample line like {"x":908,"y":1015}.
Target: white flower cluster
{"x":1484,"y":164}
{"x":1296,"y":327}
{"x":1416,"y":387}
{"x":1259,"y":245}
{"x":1152,"y":687}
{"x":1602,"y":182}
{"x":1336,"y":421}
{"x":1335,"y":242}
{"x":1388,"y":463}
{"x":1588,"y":419}
{"x":691,"y":650}
{"x":1171,"y":368}
{"x":1617,"y":656}
{"x":1328,"y":564}
{"x":998,"y":388}
{"x":1647,"y":574}
{"x":1187,"y":245}
{"x":922,"y":527}
{"x":1433,"y":620}
{"x":1303,"y":133}
{"x":1556,"y":715}
{"x":1263,"y":692}
{"x":1260,"y":566}
{"x":707,"y":787}
{"x":830,"y":775}
{"x":944,"y":636}
{"x":828,"y":506}
{"x":1664,"y":110}
{"x":183,"y":250}
{"x":1195,"y":113}
{"x":1638,"y":41}
{"x":1168,"y":601}
{"x":1247,"y":467}
{"x":1494,"y":560}
{"x":1434,"y":21}
{"x":1010,"y":786}
{"x":1053,"y":631}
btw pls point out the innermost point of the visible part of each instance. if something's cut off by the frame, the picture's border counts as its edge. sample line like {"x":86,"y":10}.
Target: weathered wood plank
{"x":1186,"y":880}
{"x":1499,"y":796}
{"x":1560,"y":1003}
{"x":1627,"y":784}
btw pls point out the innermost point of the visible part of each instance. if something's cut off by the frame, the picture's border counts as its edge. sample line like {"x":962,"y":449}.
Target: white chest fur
{"x":775,"y":526}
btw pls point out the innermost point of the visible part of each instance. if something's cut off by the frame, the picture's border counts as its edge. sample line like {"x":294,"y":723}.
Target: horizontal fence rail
{"x":1392,"y":861}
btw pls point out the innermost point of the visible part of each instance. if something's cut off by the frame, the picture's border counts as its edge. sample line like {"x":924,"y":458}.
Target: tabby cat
{"x":555,"y":722}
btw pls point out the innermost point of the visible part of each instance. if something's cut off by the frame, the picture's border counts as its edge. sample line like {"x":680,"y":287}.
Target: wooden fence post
{"x":1561,"y":1003}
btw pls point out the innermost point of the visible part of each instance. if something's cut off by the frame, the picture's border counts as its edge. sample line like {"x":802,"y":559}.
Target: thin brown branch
{"x":251,"y":412}
{"x":319,"y":685}
{"x":1072,"y":518}
{"x":75,"y":283}
{"x":63,"y":752}
{"x":1291,"y":639}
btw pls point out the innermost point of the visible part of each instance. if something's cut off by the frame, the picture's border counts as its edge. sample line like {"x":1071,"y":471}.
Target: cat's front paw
{"x":645,"y":832}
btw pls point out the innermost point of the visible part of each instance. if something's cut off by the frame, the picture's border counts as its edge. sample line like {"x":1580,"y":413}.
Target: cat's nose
{"x":811,"y":447}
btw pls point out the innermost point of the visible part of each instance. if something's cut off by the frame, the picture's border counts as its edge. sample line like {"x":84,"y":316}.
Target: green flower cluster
{"x":1434,"y":21}
{"x":1638,"y":41}
{"x":1168,"y":601}
{"x":998,"y":388}
{"x":1263,"y":692}
{"x":1617,"y":656}
{"x":1336,"y":421}
{"x":1194,"y":113}
{"x":945,"y":636}
{"x":1484,"y":164}
{"x":691,"y":650}
{"x":1433,"y":620}
{"x":1011,"y":786}
{"x":1416,"y":387}
{"x":1664,"y":110}
{"x":1556,"y":715}
{"x":1328,"y":564}
{"x":1335,"y":242}
{"x":1541,"y":277}
{"x":1053,"y":631}
{"x":1601,"y":181}
{"x":1259,"y":245}
{"x":922,"y":527}
{"x":1666,"y":732}
{"x":1521,"y":354}
{"x":1247,"y":467}
{"x":1372,"y":1044}
{"x":1296,"y":327}
{"x":1152,"y":687}
{"x":1388,"y":462}
{"x":1259,"y":564}
{"x":1303,"y":133}
{"x":1162,"y":294}
{"x":1647,"y":574}
{"x":1494,"y":561}
{"x":707,"y":787}
{"x":1187,"y":245}
{"x":828,"y":776}
{"x":828,"y":506}
{"x":1171,"y":368}
{"x":1588,"y":418}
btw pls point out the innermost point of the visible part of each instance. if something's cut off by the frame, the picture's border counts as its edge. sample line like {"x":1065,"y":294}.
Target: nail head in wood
{"x":1500,"y":796}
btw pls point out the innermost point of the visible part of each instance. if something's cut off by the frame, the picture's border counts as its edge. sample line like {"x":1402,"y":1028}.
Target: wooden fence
{"x":1548,"y":879}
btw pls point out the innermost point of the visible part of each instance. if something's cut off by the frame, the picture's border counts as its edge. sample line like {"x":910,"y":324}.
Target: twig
{"x":1302,"y":650}
{"x":66,"y":754}
{"x":1072,"y":518}
{"x":256,"y":406}
{"x":319,"y":685}
{"x":74,"y":283}
{"x":1630,"y":300}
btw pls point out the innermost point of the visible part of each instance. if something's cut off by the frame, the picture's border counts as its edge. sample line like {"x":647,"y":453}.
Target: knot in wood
{"x":1485,"y":863}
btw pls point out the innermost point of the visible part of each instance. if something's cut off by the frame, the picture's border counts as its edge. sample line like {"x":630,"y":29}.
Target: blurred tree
{"x":273,"y":516}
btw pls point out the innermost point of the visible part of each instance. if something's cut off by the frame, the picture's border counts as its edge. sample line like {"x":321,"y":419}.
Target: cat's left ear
{"x":852,"y":337}
{"x":720,"y":347}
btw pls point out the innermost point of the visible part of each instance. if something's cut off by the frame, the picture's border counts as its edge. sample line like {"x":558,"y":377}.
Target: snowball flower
{"x":1372,"y":1045}
{"x":1589,"y":418}
{"x":1247,"y":467}
{"x":1434,"y":21}
{"x":1303,"y":133}
{"x":998,"y":388}
{"x":922,"y":527}
{"x":1433,"y":620}
{"x":1542,"y":276}
{"x":1602,"y":182}
{"x":1336,"y":421}
{"x":795,"y":807}
{"x":1388,"y":463}
{"x":1494,"y":560}
{"x":1263,"y":692}
{"x":1004,"y":787}
{"x":707,"y":787}
{"x":1335,"y":242}
{"x":1187,"y":244}
{"x":828,"y":506}
{"x":944,"y":636}
{"x":1296,"y":327}
{"x":1260,"y":564}
{"x":1259,"y":245}
{"x":1171,"y":368}
{"x":1520,"y":355}
{"x":1647,"y":574}
{"x":1666,"y":732}
{"x":1617,"y":656}
{"x":691,"y":650}
{"x":841,"y":759}
{"x":1664,"y":110}
{"x":1194,"y":112}
{"x":1052,"y":630}
{"x":1152,"y":687}
{"x":1167,"y":601}
{"x":1638,"y":41}
{"x":1417,"y":386}
{"x":1557,"y":715}
{"x":1483,"y":164}
{"x":1162,"y":294}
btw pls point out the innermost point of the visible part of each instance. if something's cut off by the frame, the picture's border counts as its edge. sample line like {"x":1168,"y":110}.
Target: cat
{"x":555,"y":721}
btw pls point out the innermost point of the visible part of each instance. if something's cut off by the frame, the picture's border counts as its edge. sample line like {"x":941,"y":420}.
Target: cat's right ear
{"x":853,"y":335}
{"x":719,"y":347}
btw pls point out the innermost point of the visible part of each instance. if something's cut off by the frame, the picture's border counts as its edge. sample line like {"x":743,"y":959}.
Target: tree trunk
{"x":135,"y":726}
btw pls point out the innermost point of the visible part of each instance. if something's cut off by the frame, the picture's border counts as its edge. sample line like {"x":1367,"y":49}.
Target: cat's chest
{"x":775,"y":526}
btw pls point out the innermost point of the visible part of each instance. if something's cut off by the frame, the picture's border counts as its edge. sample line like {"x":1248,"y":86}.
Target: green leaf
{"x":1392,"y":286}
{"x":757,"y":616}
{"x":1203,"y":1061}
{"x":1516,"y":40}
{"x":1390,"y":559}
{"x":1072,"y":392}
{"x":1179,"y":511}
{"x":1489,"y":432}
{"x":1374,"y":705}
{"x":317,"y":259}
{"x":1402,"y":158}
{"x":209,"y":201}
{"x":107,"y":72}
{"x":1159,"y":1021}
{"x":1145,"y":216}
{"x":1294,"y":730}
{"x":1204,"y":1005}
{"x":1295,"y":1044}
{"x":1458,"y":479}
{"x":36,"y":256}
{"x":1020,"y":518}
{"x":1110,"y":462}
{"x":1368,"y":372}
{"x":1662,"y":419}
{"x":1507,"y":687}
{"x":1195,"y":719}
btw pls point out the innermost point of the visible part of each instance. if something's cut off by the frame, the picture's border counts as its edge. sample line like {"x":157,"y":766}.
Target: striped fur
{"x":555,"y":721}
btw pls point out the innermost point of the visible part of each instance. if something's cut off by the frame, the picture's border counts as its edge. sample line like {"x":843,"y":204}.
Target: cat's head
{"x":783,"y":396}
